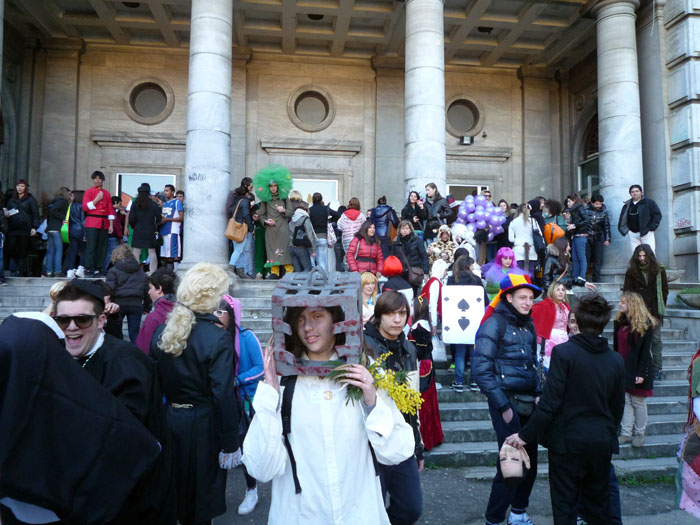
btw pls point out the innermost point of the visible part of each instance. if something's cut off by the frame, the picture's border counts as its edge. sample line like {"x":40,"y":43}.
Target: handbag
{"x":415,"y":276}
{"x":538,"y":241}
{"x":64,"y":227}
{"x":236,"y":231}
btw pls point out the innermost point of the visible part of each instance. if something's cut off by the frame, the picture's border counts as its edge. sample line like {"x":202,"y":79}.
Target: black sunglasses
{"x":81,"y":321}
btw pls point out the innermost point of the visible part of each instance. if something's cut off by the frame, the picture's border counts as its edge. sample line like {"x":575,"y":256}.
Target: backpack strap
{"x":289,"y":382}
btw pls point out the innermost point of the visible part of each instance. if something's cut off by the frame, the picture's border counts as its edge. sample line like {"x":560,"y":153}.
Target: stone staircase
{"x":469,"y":436}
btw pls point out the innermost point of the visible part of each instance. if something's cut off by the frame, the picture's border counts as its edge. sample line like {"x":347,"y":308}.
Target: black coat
{"x":404,"y":356}
{"x":67,"y":444}
{"x":127,"y":281}
{"x":130,"y":376}
{"x":145,"y":221}
{"x":583,"y":399}
{"x":600,"y":222}
{"x":28,"y":217}
{"x":202,"y":376}
{"x":635,"y":282}
{"x":409,"y":211}
{"x":411,"y":252}
{"x":581,"y":218}
{"x":320,"y":215}
{"x":243,"y":214}
{"x":438,"y":213}
{"x":639,"y":360}
{"x":57,"y":214}
{"x":505,"y":363}
{"x":649,"y":217}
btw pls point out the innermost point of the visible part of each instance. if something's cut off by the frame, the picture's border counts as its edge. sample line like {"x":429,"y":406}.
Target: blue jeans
{"x":461,"y":361}
{"x":578,"y":254}
{"x":54,"y":252}
{"x":402,"y":483}
{"x":321,"y":253}
{"x":112,"y":243}
{"x":2,"y":269}
{"x":76,"y":250}
{"x":301,"y":258}
{"x":242,"y":255}
{"x":133,"y":320}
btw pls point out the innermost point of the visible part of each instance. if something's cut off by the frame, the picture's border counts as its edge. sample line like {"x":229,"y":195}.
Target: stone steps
{"x":482,"y":430}
{"x":478,"y":410}
{"x":479,"y":453}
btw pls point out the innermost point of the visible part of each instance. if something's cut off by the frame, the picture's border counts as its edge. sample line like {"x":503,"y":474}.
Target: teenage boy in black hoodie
{"x":578,"y":415}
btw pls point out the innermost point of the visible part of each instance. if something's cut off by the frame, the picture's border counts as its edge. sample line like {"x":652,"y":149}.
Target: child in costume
{"x":272,"y":186}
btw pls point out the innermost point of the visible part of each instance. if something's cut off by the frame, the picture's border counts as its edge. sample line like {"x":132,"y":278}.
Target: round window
{"x":463,"y":117}
{"x":149,"y":101}
{"x":310,"y":108}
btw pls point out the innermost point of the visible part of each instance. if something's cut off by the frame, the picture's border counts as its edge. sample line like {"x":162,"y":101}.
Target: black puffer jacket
{"x":411,"y":250}
{"x":581,"y":218}
{"x":127,"y":281}
{"x":28,"y":217}
{"x":404,"y":356}
{"x":409,"y":211}
{"x":57,"y":214}
{"x":438,"y":214}
{"x":505,"y":364}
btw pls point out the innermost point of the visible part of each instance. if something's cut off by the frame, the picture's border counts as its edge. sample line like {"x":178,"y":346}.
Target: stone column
{"x":424,"y":143}
{"x":619,"y":125}
{"x":208,"y":149}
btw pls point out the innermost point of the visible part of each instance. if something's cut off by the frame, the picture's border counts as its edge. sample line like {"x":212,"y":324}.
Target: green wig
{"x":272,"y":173}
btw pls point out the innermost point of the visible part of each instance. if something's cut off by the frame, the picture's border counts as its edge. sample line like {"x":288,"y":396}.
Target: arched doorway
{"x":588,"y":175}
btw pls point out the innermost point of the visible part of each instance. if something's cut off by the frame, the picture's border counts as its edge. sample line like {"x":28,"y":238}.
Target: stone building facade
{"x":366,"y":98}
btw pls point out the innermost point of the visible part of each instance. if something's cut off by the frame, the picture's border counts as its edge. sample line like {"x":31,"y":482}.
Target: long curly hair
{"x":652,"y":264}
{"x":637,"y":314}
{"x":199,"y":293}
{"x":272,"y":174}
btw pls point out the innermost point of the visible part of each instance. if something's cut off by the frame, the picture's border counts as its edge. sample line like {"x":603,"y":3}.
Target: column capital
{"x":622,"y":5}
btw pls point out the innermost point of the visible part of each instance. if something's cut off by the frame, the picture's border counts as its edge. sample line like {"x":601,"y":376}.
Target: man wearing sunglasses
{"x":129,"y":375}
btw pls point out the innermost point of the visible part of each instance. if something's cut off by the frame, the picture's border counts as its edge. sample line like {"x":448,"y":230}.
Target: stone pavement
{"x":449,"y":498}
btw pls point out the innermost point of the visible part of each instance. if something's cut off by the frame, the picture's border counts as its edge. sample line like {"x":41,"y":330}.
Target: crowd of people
{"x":75,"y":233}
{"x":202,"y":388}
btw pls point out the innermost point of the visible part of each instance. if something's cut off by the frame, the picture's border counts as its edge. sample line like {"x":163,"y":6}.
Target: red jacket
{"x":99,"y":217}
{"x":369,"y":256}
{"x":543,"y":314}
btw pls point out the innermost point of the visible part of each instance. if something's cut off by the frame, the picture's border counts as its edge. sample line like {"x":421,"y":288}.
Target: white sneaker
{"x":70,"y":274}
{"x":249,"y":502}
{"x":80,"y":272}
{"x":521,"y":519}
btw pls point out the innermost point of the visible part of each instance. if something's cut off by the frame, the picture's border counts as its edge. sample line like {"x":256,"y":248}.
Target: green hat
{"x":272,"y":173}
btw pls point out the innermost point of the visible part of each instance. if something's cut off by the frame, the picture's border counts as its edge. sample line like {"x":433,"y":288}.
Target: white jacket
{"x":520,"y":233}
{"x":329,"y":438}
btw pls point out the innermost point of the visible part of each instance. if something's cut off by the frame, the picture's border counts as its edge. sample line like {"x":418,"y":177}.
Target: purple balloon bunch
{"x":479,"y":214}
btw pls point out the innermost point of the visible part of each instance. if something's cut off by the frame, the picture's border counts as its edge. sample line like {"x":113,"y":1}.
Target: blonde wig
{"x":199,"y":292}
{"x":551,"y":291}
{"x":370,"y":278}
{"x":53,"y":294}
{"x":637,"y":313}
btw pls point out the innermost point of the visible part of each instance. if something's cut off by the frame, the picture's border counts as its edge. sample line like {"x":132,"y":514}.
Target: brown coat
{"x":635,"y":282}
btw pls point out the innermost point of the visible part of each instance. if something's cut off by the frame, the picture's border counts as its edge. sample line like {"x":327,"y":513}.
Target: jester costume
{"x":277,"y":234}
{"x":688,"y":476}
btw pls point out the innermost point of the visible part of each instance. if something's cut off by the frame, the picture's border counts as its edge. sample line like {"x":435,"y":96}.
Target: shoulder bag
{"x":236,"y":231}
{"x":538,"y":241}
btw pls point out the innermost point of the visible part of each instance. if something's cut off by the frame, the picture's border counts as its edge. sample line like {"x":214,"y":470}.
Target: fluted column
{"x":619,"y":124}
{"x":208,"y":150}
{"x":424,"y":143}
